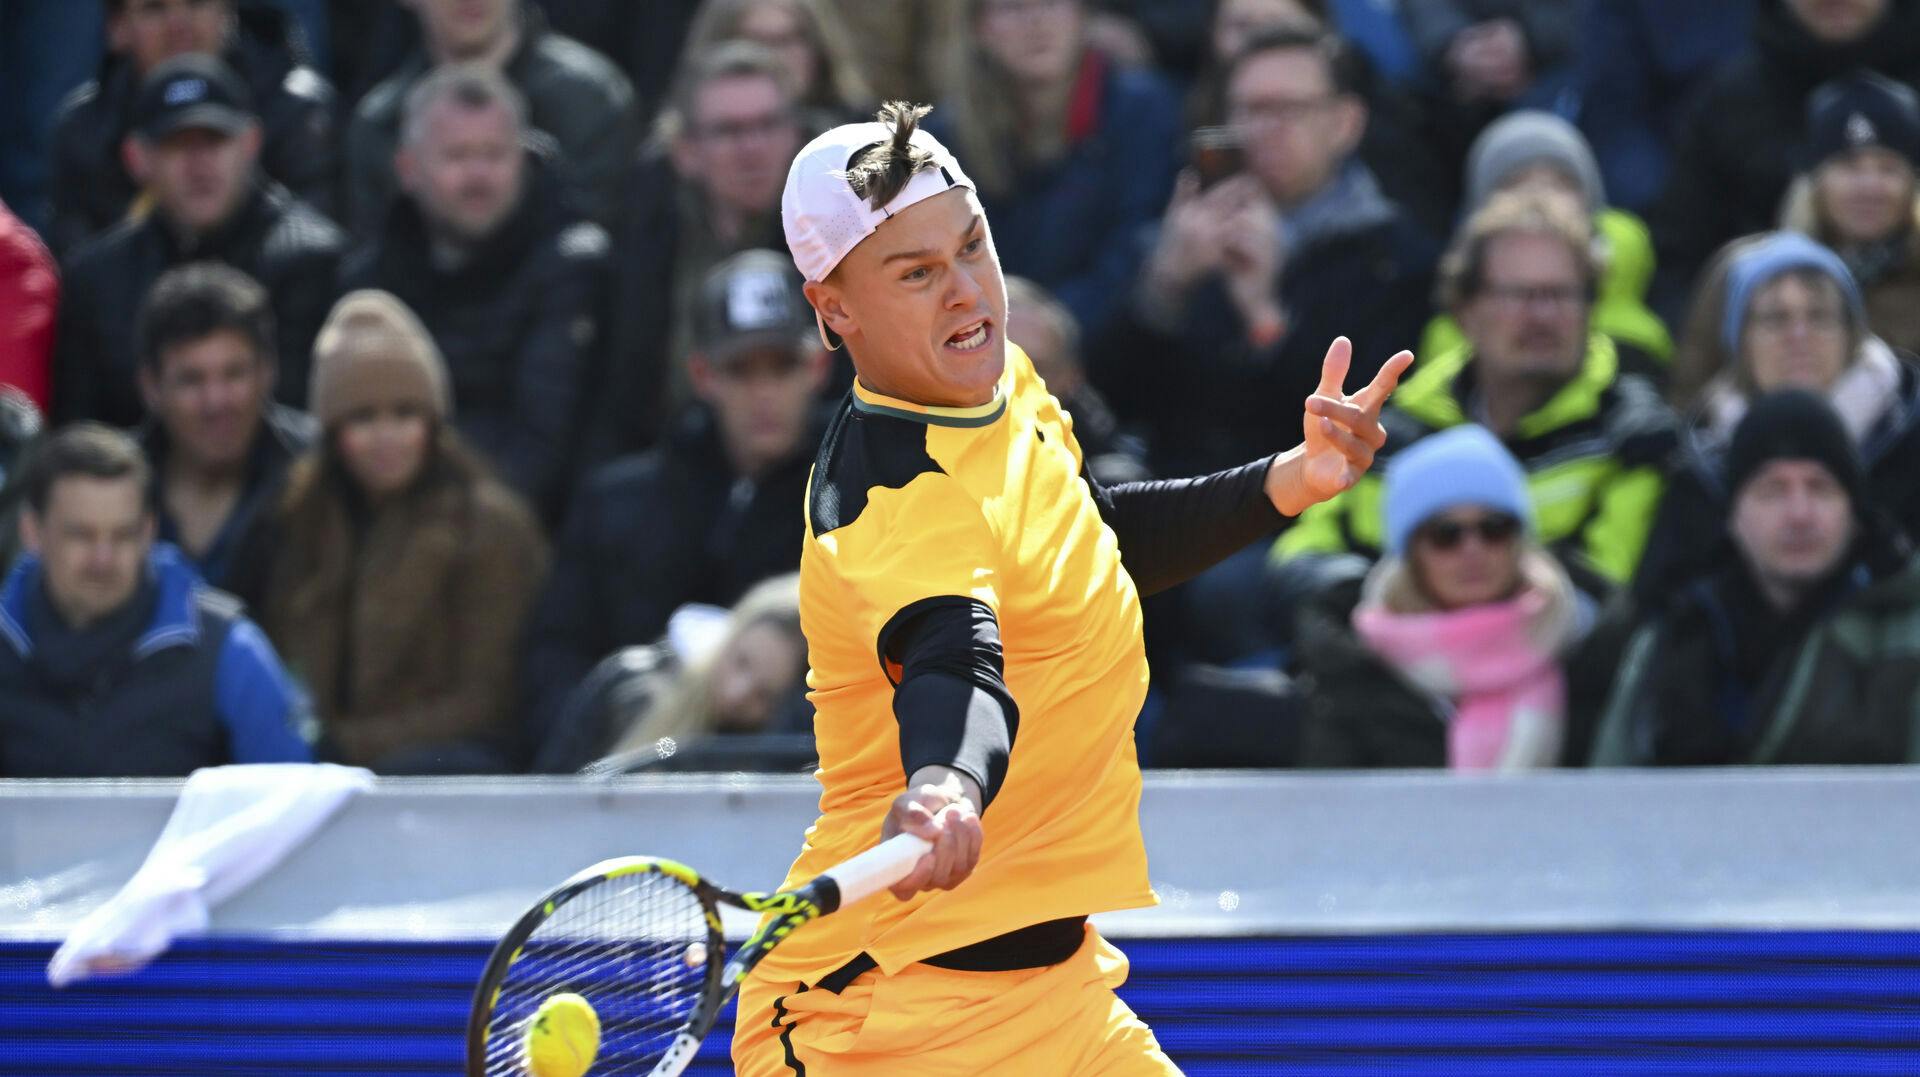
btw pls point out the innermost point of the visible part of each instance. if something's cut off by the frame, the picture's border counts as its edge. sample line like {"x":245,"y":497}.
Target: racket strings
{"x":634,"y":947}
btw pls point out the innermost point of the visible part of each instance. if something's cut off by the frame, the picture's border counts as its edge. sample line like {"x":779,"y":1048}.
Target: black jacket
{"x":647,"y":534}
{"x":1357,"y":711}
{"x":91,"y":189}
{"x":282,"y":242}
{"x":284,"y":434}
{"x":1739,"y":141}
{"x":519,"y":324}
{"x":574,"y":95}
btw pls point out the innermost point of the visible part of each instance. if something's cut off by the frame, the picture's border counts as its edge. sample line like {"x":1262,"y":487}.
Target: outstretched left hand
{"x":1342,"y":433}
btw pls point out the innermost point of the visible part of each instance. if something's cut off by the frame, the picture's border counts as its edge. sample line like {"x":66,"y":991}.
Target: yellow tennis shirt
{"x":909,"y":502}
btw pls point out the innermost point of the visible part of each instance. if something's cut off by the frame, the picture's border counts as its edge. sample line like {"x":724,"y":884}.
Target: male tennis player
{"x":971,"y":604}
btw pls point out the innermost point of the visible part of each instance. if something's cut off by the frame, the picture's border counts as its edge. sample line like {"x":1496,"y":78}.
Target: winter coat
{"x":574,"y":95}
{"x":519,"y":323}
{"x":90,"y":186}
{"x":285,"y":434}
{"x":174,"y":681}
{"x":29,"y":296}
{"x":647,"y":534}
{"x":280,"y":241}
{"x":1740,"y":139}
{"x":402,"y":621}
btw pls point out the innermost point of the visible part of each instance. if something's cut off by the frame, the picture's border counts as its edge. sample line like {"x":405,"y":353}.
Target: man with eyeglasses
{"x":711,"y":191}
{"x":1519,"y":278}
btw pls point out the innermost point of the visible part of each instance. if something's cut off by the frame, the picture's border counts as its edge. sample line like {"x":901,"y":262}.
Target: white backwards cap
{"x":823,"y":217}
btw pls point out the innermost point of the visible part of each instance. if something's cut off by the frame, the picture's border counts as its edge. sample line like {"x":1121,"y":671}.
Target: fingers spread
{"x":1384,"y":383}
{"x":1358,"y":452}
{"x":1333,"y":369}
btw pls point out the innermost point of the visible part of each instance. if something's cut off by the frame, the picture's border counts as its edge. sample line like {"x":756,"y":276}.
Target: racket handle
{"x":876,"y":869}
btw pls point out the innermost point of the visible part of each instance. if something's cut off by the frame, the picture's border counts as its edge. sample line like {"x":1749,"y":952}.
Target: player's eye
{"x":917,"y":273}
{"x":972,"y":247}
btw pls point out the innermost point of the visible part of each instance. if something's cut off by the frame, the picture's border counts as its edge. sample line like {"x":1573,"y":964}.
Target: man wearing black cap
{"x":91,"y":186}
{"x":1799,"y":650}
{"x":714,"y":509}
{"x":195,"y":149}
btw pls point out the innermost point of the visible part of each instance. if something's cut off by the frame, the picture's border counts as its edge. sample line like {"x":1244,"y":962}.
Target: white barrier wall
{"x":1234,"y":853}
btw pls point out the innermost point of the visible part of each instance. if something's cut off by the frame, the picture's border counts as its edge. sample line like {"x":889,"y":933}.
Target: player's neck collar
{"x":865,"y":399}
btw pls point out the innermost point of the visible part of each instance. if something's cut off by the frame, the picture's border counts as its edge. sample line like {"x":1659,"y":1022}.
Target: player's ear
{"x":833,"y":309}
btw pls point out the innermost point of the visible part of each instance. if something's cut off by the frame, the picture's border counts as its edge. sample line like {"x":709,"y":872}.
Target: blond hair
{"x":1518,"y":212}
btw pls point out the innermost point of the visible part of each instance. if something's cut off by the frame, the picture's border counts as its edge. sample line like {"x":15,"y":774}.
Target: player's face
{"x":1795,"y":335}
{"x":467,"y":168}
{"x":148,"y":32}
{"x":1792,"y":522}
{"x":208,"y":395}
{"x":922,"y":305}
{"x":199,"y":176}
{"x":93,"y":543}
{"x":384,"y":448}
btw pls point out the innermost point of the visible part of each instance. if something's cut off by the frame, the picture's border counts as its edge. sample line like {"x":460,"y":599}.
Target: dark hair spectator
{"x":574,"y":96}
{"x":1071,"y":153}
{"x":195,"y":145}
{"x":1786,"y":649}
{"x":1538,"y":151}
{"x":93,"y":185}
{"x":1637,"y":64}
{"x":1452,"y":654}
{"x":395,"y":573}
{"x":1745,"y":130}
{"x":709,"y":187}
{"x":219,"y":445}
{"x":717,"y":506}
{"x":1858,"y":195}
{"x":115,"y":658}
{"x":1786,"y":314}
{"x":659,"y":706}
{"x":807,"y":38}
{"x":1520,"y":280}
{"x":510,"y":279}
{"x":29,"y":298}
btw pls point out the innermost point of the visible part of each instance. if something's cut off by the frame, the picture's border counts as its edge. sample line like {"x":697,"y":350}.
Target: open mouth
{"x":971,"y":338}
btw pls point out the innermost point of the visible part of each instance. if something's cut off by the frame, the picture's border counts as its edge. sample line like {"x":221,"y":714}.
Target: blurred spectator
{"x":370,"y":39}
{"x":1788,"y":315}
{"x":1046,"y":331}
{"x":909,"y":50}
{"x":1453,"y":655}
{"x":20,"y":431}
{"x":715,"y":508}
{"x":511,"y":280}
{"x":1488,"y":56}
{"x":645,"y":705}
{"x":93,"y":182}
{"x":47,"y":48}
{"x":1520,"y":278}
{"x":1070,"y":152}
{"x":396,"y":575}
{"x":573,"y":95}
{"x":218,"y":444}
{"x":707,"y":188}
{"x":644,"y":40}
{"x":29,"y":298}
{"x":806,"y":37}
{"x":1741,"y":137}
{"x":196,"y":147}
{"x":1249,"y":279}
{"x":1396,"y":145}
{"x":1539,"y":151}
{"x":118,"y":660}
{"x":1858,"y":196}
{"x":1795,"y":647}
{"x":1637,"y":63}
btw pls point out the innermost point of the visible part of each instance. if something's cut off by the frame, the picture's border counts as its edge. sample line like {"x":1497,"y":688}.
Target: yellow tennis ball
{"x":563,"y":1037}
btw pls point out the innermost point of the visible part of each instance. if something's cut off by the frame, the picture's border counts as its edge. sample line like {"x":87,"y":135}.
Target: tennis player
{"x":971,"y":602}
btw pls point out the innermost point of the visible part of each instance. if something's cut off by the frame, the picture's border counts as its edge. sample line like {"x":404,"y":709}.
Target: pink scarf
{"x":1497,"y":664}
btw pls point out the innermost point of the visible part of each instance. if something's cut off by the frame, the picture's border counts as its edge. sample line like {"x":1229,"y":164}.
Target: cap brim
{"x":222,"y":118}
{"x":742,"y":345}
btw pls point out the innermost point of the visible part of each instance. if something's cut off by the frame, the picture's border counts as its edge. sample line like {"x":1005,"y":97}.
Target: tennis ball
{"x":563,"y":1037}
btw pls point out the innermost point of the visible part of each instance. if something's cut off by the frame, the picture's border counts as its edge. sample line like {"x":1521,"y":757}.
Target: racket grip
{"x":876,"y":869}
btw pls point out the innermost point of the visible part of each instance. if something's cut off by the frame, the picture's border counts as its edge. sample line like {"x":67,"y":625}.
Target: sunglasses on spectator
{"x":1497,"y":529}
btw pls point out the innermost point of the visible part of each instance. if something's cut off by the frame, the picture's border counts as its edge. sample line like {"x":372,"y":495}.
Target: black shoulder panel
{"x":862,"y":450}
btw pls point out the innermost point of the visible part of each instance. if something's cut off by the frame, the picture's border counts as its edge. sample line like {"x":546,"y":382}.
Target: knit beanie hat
{"x":373,"y":350}
{"x":1781,"y":252}
{"x":1462,"y":465}
{"x":1531,"y":137}
{"x":1794,"y":424}
{"x":1862,"y":109}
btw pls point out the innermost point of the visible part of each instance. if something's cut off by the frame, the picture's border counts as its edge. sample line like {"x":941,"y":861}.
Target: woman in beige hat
{"x":396,"y":573}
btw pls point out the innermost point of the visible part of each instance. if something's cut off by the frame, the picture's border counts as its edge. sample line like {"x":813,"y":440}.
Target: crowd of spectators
{"x":427,"y":386}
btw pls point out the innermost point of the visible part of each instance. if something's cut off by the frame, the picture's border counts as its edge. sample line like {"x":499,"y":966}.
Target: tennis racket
{"x":639,"y":938}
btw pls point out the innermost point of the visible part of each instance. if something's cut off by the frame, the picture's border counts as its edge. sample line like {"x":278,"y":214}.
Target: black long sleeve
{"x":950,"y":692}
{"x":1171,"y":530}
